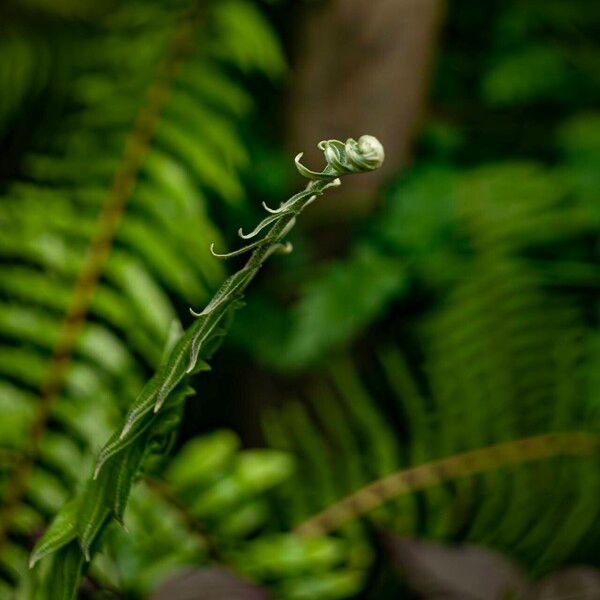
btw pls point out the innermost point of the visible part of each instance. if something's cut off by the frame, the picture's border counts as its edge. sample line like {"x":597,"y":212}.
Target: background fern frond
{"x":129,"y":136}
{"x":501,"y":349}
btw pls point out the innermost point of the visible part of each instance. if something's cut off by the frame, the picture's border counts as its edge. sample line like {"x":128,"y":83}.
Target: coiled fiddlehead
{"x":352,"y":157}
{"x":155,"y":414}
{"x":360,"y":156}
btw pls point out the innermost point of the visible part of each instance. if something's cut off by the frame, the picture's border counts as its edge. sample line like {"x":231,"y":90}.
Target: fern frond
{"x":135,"y":149}
{"x":156,"y":412}
{"x":89,"y":285}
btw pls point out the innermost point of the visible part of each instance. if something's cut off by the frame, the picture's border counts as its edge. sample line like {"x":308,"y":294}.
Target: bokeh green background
{"x":458,"y":310}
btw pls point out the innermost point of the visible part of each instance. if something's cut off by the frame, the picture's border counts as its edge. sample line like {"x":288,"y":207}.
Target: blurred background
{"x":445,"y":304}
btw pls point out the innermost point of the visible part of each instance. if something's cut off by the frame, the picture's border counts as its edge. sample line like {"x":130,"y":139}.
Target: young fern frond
{"x":156,"y":411}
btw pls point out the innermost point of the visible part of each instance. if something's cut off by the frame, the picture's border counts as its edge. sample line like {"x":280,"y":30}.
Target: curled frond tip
{"x":366,"y":154}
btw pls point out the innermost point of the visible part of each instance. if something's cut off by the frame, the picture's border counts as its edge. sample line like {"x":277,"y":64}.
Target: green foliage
{"x":502,"y":346}
{"x":508,"y":74}
{"x":483,"y":330}
{"x":543,"y":53}
{"x":463,"y":317}
{"x":209,"y":501}
{"x":490,"y":331}
{"x":225,"y":498}
{"x":324,"y":321}
{"x":150,"y":123}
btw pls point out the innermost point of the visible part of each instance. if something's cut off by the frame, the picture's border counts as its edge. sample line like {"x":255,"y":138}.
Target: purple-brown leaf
{"x":209,"y":583}
{"x":570,"y":582}
{"x":456,"y":572}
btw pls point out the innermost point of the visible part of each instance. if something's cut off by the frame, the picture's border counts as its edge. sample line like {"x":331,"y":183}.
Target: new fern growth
{"x":150,"y":423}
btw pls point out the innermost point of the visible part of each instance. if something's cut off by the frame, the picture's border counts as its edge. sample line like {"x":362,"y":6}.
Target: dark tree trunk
{"x":362,"y":67}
